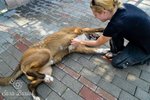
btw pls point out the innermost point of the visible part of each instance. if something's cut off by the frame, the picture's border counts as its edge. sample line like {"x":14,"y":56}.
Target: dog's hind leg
{"x":47,"y":71}
{"x":43,"y":76}
{"x":32,"y":88}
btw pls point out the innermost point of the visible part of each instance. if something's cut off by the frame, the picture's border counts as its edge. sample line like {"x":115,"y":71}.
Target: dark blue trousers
{"x":128,"y":55}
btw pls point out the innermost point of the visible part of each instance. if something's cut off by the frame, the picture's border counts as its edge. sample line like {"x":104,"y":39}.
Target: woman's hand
{"x":76,"y":42}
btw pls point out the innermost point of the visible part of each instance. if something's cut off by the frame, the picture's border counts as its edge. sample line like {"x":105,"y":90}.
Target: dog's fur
{"x":37,"y":60}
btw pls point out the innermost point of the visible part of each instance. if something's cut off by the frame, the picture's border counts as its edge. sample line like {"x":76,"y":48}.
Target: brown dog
{"x":37,"y":60}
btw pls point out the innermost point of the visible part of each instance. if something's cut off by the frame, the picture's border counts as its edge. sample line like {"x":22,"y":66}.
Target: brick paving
{"x":78,"y":76}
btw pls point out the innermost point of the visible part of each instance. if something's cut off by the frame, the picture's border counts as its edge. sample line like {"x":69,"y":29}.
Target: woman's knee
{"x":119,"y":64}
{"x":116,"y":65}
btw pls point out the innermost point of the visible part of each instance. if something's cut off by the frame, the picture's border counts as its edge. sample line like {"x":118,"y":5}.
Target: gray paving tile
{"x":126,"y":96}
{"x":13,"y":98}
{"x":57,"y":86}
{"x":53,"y":96}
{"x":133,"y":70}
{"x":70,"y":95}
{"x":75,"y":56}
{"x":5,"y":46}
{"x":43,"y":90}
{"x":9,"y":59}
{"x":19,"y":20}
{"x":142,"y":95}
{"x":109,"y":87}
{"x":2,"y":40}
{"x":59,"y":74}
{"x":121,"y":73}
{"x":21,"y":88}
{"x":10,"y":23}
{"x":1,"y":50}
{"x":86,"y":63}
{"x":27,"y":97}
{"x":125,"y":85}
{"x":144,"y":67}
{"x":106,"y":71}
{"x":9,"y":93}
{"x":90,"y":75}
{"x":15,"y":52}
{"x":72,"y":83}
{"x":3,"y":18}
{"x":87,"y":56}
{"x":73,"y":65}
{"x":145,"y":76}
{"x":4,"y":68}
{"x":138,"y":82}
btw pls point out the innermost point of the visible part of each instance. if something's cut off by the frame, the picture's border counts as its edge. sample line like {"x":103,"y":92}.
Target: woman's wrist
{"x":82,"y":42}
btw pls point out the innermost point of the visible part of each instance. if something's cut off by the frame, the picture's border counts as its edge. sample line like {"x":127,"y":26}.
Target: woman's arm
{"x":100,"y":41}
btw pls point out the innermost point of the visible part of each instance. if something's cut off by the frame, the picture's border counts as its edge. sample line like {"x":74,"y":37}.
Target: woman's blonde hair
{"x":109,"y":5}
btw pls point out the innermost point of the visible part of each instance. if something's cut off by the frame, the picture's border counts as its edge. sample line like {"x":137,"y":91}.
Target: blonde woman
{"x":126,"y":21}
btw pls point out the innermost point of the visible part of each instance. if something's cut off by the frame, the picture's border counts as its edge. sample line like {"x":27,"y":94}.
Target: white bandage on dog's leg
{"x":48,"y":78}
{"x":102,"y":50}
{"x":71,"y":47}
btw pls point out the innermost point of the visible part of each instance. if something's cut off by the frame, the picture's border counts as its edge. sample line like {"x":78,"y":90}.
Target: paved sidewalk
{"x":78,"y":76}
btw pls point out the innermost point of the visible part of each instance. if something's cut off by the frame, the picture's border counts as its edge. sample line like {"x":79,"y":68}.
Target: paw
{"x":35,"y":97}
{"x":48,"y":79}
{"x":71,"y":47}
{"x":102,"y":50}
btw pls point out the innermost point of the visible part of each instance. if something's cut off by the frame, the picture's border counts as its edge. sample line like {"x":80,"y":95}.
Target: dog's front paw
{"x":48,"y":79}
{"x":102,"y":50}
{"x":35,"y":97}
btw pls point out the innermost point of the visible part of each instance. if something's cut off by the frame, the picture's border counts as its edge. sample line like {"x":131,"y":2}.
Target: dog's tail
{"x":9,"y":80}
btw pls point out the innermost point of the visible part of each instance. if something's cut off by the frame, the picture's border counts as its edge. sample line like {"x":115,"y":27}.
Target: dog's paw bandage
{"x":71,"y":47}
{"x":102,"y":50}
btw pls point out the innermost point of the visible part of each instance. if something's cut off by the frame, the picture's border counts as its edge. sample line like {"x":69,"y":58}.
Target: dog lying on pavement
{"x":36,"y":61}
